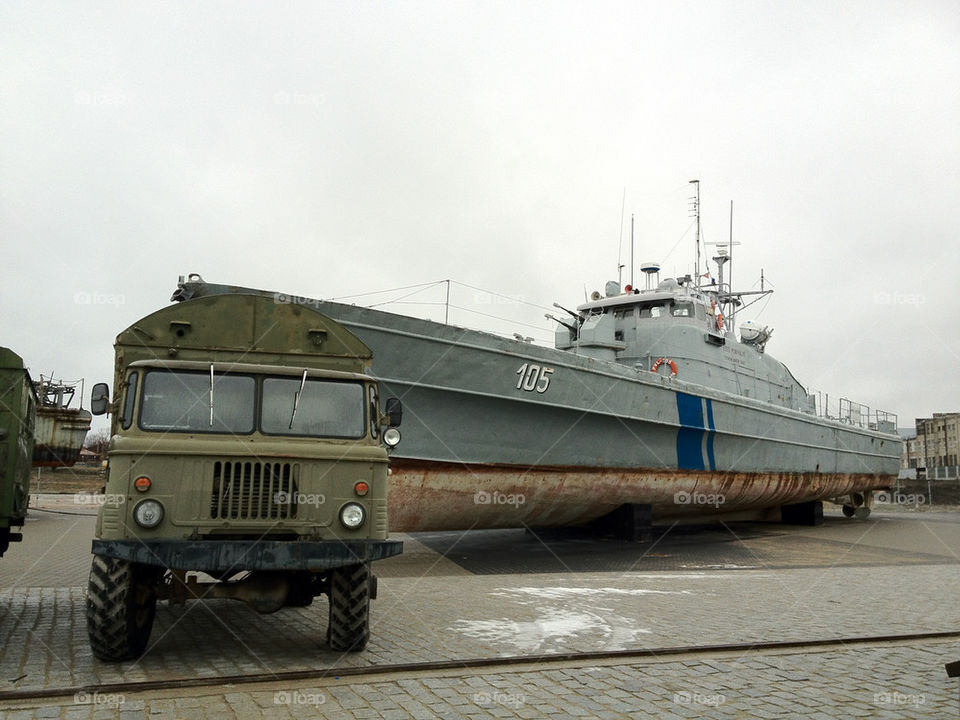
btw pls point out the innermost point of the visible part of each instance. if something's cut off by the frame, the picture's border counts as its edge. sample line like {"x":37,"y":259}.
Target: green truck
{"x":248,"y":460}
{"x":18,"y":411}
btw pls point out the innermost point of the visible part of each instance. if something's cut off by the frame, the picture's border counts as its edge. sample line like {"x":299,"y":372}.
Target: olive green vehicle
{"x":248,"y":460}
{"x":18,"y":411}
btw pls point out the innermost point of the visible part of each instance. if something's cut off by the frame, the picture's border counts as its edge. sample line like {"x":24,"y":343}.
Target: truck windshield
{"x":180,"y":400}
{"x":325,"y":408}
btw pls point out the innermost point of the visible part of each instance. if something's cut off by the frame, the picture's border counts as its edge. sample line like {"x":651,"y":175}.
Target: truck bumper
{"x":239,"y":555}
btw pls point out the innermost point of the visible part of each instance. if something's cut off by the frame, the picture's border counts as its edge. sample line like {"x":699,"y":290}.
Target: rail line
{"x":516,"y":661}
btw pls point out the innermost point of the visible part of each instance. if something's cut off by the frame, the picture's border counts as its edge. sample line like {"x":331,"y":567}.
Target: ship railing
{"x":853,"y":413}
{"x":58,"y":393}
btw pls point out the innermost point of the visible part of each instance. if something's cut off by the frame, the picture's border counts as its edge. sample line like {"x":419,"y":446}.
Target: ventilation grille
{"x":247,"y":490}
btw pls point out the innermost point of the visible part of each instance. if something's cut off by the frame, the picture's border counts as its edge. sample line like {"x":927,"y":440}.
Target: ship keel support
{"x":631,"y":522}
{"x":805,"y":513}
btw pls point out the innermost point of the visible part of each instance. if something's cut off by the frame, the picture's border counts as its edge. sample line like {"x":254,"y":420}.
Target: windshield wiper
{"x":211,"y":394}
{"x":296,"y":399}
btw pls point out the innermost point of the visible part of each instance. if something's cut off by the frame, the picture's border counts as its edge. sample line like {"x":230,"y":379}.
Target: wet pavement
{"x":499,"y":593}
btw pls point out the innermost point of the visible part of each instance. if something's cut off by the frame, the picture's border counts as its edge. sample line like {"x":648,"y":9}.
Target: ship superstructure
{"x":61,"y":427}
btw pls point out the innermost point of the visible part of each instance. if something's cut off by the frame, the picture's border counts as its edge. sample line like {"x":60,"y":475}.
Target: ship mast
{"x":733,"y":305}
{"x":730,"y":304}
{"x":727,"y":299}
{"x":695,"y":207}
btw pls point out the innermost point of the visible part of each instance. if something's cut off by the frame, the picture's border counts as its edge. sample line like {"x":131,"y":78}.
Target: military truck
{"x":18,"y":410}
{"x":248,"y":460}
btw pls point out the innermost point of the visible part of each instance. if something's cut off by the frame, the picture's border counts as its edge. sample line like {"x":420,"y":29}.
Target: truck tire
{"x":121,"y":604}
{"x":349,"y":625}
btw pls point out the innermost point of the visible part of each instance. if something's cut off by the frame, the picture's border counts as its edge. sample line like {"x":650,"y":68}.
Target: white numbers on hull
{"x":534,"y":377}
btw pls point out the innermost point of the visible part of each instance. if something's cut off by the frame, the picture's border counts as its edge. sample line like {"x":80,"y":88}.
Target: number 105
{"x":534,"y":377}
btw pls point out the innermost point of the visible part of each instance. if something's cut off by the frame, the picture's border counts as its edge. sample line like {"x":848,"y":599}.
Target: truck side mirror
{"x":394,"y":412}
{"x":99,"y":399}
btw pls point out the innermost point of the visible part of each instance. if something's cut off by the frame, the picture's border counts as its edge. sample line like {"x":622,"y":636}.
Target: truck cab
{"x":248,"y":460}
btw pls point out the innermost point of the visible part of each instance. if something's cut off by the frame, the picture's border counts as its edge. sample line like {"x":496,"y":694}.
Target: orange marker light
{"x":361,"y":488}
{"x":142,"y":483}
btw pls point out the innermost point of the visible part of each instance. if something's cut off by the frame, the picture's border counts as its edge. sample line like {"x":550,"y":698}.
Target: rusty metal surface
{"x":428,"y":495}
{"x":59,"y":436}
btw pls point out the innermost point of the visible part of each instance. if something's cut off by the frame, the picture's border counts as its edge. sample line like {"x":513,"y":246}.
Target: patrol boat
{"x":648,"y":401}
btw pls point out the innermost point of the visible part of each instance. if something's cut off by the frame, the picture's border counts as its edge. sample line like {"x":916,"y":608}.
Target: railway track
{"x":479,"y":664}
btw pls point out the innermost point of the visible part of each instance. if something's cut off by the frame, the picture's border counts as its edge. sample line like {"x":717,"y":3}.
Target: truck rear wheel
{"x":349,"y":623}
{"x":121,"y":604}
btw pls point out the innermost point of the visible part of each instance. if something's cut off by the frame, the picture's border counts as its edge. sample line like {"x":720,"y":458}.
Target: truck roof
{"x":246,"y":329}
{"x":9,"y":359}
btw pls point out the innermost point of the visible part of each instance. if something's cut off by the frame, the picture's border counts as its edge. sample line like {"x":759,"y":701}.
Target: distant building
{"x":935,"y":450}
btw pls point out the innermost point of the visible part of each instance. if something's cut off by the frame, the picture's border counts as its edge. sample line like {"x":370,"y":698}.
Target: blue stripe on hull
{"x":711,"y":435}
{"x":690,"y":435}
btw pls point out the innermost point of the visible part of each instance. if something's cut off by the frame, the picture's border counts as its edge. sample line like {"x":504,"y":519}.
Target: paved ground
{"x":488,"y":594}
{"x":874,"y":682}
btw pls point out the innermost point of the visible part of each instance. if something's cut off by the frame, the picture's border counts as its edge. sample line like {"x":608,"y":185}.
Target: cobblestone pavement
{"x":503,"y":593}
{"x":898,"y":681}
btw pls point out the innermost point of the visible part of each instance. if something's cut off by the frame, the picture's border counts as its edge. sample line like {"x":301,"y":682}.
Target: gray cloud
{"x":334,"y":148}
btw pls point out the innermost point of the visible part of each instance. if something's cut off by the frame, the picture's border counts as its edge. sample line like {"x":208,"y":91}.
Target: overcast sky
{"x":331,"y":149}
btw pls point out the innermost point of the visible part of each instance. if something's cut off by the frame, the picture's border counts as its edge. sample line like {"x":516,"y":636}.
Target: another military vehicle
{"x":18,"y":410}
{"x":249,"y":450}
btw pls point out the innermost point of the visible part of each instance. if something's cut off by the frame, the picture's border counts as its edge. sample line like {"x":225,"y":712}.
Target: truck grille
{"x":247,"y":490}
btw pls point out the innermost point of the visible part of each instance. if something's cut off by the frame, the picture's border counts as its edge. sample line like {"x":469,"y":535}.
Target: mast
{"x":725,"y":295}
{"x":623,"y":206}
{"x":631,"y":249}
{"x":733,"y":305}
{"x":696,"y":211}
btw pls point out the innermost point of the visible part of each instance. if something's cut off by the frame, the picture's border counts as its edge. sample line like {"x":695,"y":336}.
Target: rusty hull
{"x":425,"y":495}
{"x":60,"y":433}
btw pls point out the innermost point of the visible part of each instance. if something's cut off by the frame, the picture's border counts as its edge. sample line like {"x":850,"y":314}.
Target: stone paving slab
{"x":43,"y":640}
{"x":503,"y":593}
{"x":866,"y":681}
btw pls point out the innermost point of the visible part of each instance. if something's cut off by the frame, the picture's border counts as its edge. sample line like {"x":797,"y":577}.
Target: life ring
{"x":716,"y":311}
{"x":668,"y":361}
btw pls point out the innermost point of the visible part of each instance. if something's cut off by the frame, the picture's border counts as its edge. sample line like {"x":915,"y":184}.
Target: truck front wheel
{"x":349,"y":624}
{"x":121,"y":604}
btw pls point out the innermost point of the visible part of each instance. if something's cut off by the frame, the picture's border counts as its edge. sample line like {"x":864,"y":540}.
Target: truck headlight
{"x":352,"y":516}
{"x":391,"y":437}
{"x":148,"y":513}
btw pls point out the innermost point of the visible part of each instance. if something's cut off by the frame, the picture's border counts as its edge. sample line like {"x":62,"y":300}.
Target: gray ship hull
{"x":502,"y":433}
